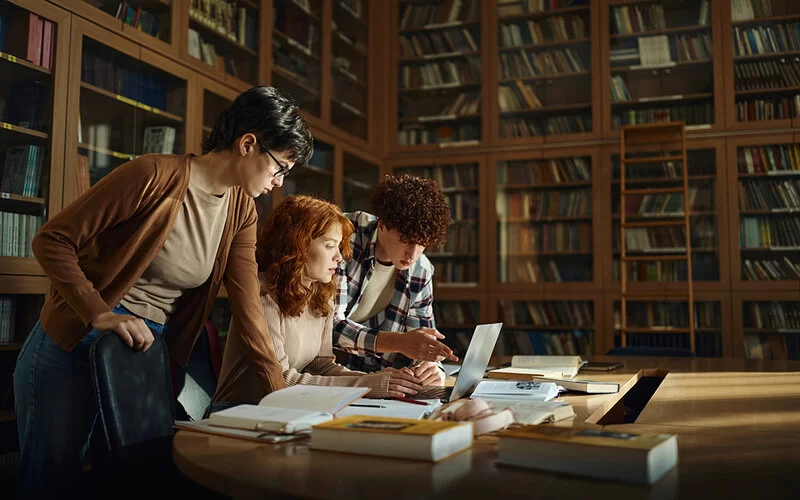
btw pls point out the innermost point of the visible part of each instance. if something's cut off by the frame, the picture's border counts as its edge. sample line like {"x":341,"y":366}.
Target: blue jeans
{"x":56,"y":411}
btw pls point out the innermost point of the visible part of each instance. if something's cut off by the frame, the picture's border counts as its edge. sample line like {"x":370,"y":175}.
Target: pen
{"x":368,"y":406}
{"x":412,"y":401}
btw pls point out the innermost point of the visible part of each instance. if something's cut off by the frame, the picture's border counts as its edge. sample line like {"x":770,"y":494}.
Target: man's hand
{"x":429,"y":373}
{"x":132,"y":330}
{"x":402,"y":382}
{"x":421,"y":343}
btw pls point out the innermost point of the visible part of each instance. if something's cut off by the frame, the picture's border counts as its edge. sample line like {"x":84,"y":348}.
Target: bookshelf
{"x":543,"y":220}
{"x":360,"y":174}
{"x":33,"y":95}
{"x":297,"y":52}
{"x":125,"y":101}
{"x":708,"y":219}
{"x":556,"y":324}
{"x":458,"y":264}
{"x":767,"y":250}
{"x":154,"y":23}
{"x":545,"y":70}
{"x":768,"y":325}
{"x":224,"y":40}
{"x":350,"y":67}
{"x":662,"y":63}
{"x":439,"y":76}
{"x":765,"y":59}
{"x":663,"y":322}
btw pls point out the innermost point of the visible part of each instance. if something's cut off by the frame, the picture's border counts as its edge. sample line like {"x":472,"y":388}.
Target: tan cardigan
{"x":95,"y":249}
{"x":304,"y":348}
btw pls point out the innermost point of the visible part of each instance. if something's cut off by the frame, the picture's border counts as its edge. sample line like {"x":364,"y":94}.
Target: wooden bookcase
{"x":665,"y":62}
{"x":766,"y":325}
{"x":544,"y":74}
{"x":556,"y":323}
{"x":763,"y":179}
{"x":456,"y":315}
{"x":756,"y":85}
{"x":662,"y":322}
{"x":709,"y":218}
{"x":554,"y":193}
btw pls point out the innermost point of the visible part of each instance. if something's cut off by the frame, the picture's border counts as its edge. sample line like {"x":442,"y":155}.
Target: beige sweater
{"x":304,"y":349}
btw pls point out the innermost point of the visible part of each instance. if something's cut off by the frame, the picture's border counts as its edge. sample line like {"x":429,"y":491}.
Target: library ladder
{"x":667,"y":139}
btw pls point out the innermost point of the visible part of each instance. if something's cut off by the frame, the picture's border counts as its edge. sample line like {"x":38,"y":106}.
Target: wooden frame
{"x":722,"y":210}
{"x":725,"y":330}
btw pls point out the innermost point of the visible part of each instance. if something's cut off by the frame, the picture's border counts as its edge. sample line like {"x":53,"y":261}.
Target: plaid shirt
{"x":410,"y":307}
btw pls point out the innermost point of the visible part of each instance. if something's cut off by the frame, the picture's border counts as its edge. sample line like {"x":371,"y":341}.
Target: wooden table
{"x":737,"y":422}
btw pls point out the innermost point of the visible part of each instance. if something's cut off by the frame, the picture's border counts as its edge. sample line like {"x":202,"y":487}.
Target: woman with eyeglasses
{"x":143,"y":253}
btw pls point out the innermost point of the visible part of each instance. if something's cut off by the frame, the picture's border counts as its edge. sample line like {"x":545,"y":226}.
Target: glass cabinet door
{"x":360,"y":176}
{"x":349,"y":67}
{"x":316,"y":178}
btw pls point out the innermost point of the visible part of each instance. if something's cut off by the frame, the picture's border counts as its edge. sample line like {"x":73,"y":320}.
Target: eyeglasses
{"x":282,"y":170}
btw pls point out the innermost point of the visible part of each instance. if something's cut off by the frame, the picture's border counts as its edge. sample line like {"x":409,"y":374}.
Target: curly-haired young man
{"x":384,"y":302}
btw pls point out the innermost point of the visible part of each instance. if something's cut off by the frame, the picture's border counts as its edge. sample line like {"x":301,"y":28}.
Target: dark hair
{"x":272,"y":116}
{"x":414,"y":206}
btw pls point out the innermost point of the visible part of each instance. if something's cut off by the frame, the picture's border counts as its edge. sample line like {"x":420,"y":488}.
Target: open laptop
{"x":472,"y":368}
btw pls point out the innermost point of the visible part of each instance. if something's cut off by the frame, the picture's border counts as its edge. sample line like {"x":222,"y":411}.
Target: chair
{"x":671,"y":352}
{"x":134,"y":394}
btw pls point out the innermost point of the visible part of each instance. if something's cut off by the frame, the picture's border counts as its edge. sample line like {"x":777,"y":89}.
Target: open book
{"x":291,"y":410}
{"x":540,"y":366}
{"x":515,"y":390}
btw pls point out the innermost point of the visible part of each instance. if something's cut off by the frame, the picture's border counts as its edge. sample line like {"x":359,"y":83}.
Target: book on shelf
{"x":24,"y":103}
{"x":228,"y":19}
{"x":26,"y":35}
{"x":665,"y":316}
{"x":291,"y":410}
{"x":21,"y":172}
{"x":441,"y":74}
{"x":134,"y":16}
{"x":766,"y":39}
{"x":557,"y":28}
{"x":543,"y":366}
{"x":766,"y":75}
{"x":158,"y":139}
{"x":775,"y":315}
{"x":16,"y":233}
{"x":445,"y":43}
{"x":8,"y":314}
{"x":551,"y":313}
{"x":555,"y":62}
{"x":515,"y":390}
{"x":452,"y":11}
{"x":770,"y":233}
{"x":623,"y":456}
{"x":456,"y":313}
{"x":428,"y":440}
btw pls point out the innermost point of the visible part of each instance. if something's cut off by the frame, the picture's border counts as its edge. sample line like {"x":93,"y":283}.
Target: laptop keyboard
{"x":434,"y":392}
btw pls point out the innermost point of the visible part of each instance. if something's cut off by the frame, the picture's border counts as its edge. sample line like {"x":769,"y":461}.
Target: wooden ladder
{"x":665,"y":137}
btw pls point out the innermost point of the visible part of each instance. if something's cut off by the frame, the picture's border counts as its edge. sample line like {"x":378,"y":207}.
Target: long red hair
{"x":284,"y":241}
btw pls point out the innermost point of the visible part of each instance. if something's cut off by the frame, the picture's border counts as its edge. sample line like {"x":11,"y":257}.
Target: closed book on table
{"x":569,"y":384}
{"x":623,"y":456}
{"x":429,"y":440}
{"x":540,"y":366}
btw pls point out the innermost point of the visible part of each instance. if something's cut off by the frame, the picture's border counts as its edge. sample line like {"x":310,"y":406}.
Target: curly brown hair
{"x":284,"y":240}
{"x":414,"y":206}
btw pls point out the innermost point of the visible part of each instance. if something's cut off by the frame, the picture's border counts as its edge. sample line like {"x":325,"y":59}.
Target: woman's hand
{"x":132,"y":330}
{"x":429,"y":373}
{"x":402,"y":382}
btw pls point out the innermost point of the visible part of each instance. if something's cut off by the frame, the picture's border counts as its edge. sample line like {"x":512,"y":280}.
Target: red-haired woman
{"x":300,"y":246}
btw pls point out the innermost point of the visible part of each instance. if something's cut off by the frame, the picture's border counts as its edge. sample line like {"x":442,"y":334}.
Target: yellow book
{"x":624,"y":456}
{"x":429,"y":440}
